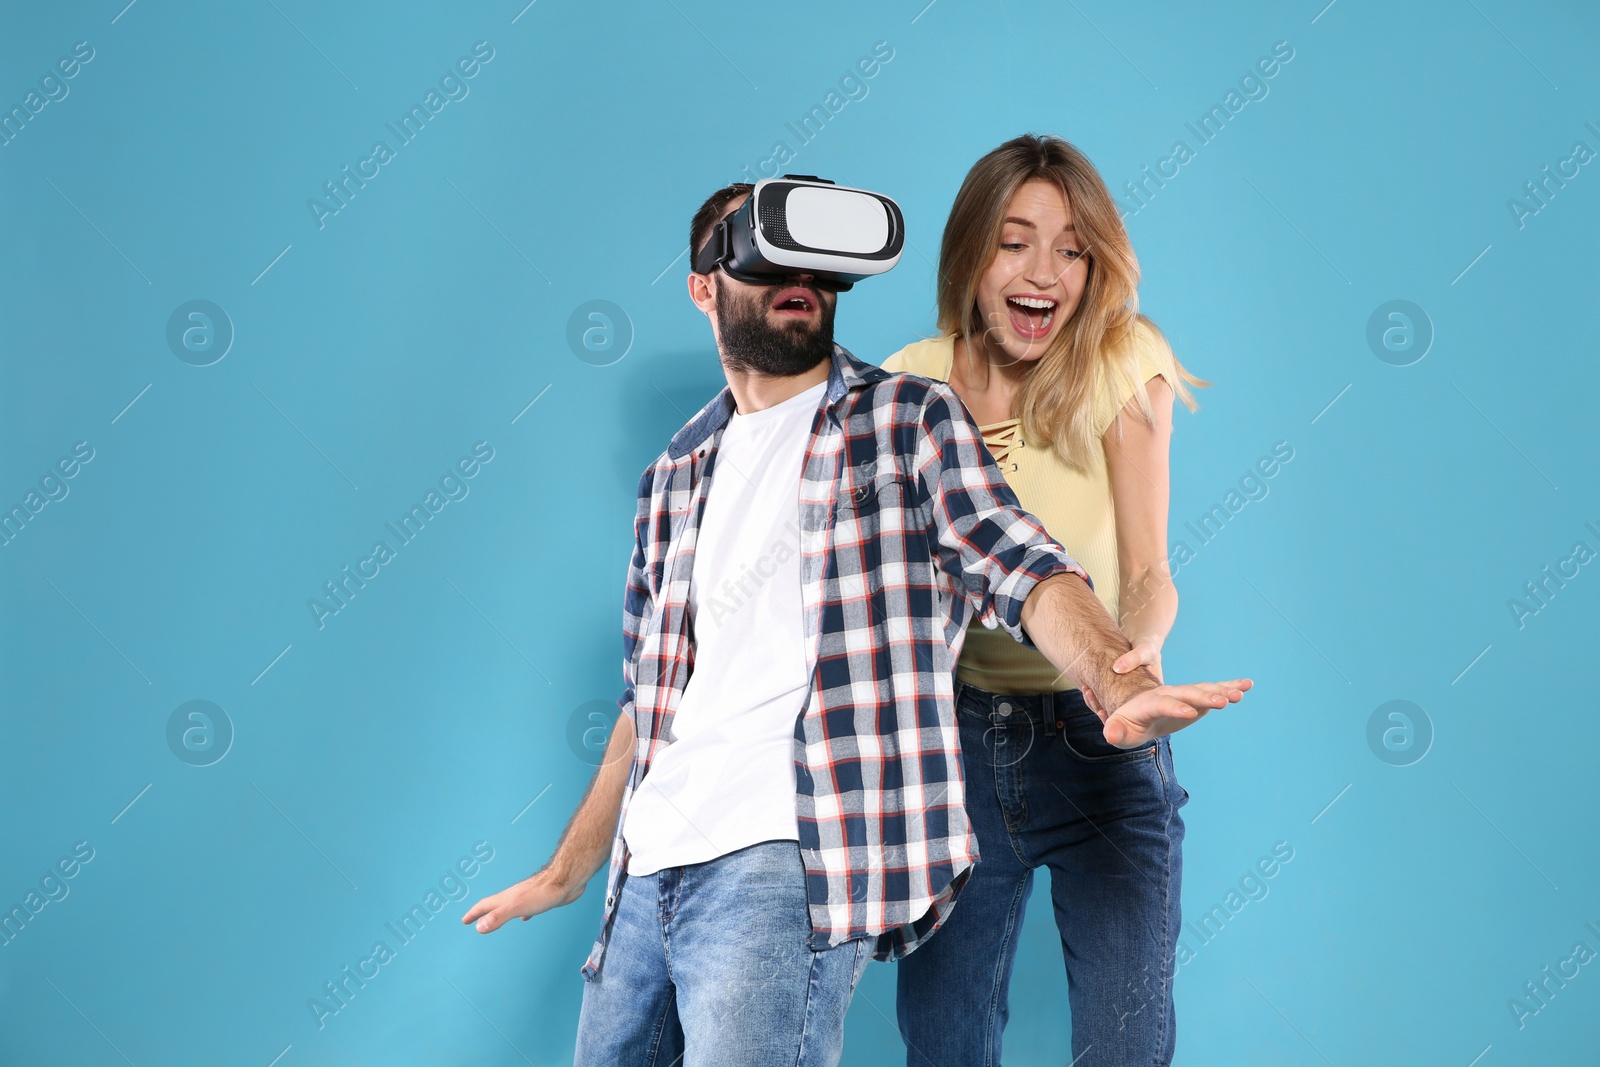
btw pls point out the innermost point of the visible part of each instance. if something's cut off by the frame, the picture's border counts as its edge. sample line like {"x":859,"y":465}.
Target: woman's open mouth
{"x":1031,"y":315}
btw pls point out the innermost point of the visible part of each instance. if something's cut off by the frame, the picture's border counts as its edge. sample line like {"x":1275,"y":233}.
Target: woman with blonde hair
{"x":1041,"y":337}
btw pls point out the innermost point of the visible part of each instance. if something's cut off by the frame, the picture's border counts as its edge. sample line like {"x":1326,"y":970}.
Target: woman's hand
{"x":1146,"y":651}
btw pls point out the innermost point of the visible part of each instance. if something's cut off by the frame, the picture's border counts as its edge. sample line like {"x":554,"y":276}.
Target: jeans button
{"x":1005,"y":709}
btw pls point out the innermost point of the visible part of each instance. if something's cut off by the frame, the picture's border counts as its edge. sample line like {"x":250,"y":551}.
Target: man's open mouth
{"x":1031,"y":314}
{"x":795,"y":300}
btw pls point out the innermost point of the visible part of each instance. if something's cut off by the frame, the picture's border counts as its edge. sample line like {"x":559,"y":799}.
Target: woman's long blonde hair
{"x":1092,"y":351}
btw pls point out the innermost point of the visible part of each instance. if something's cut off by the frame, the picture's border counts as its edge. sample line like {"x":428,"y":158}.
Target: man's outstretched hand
{"x":527,"y":898}
{"x":1163,"y":710}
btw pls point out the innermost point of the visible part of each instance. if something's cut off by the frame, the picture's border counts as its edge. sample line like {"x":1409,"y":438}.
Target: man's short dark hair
{"x":709,"y":213}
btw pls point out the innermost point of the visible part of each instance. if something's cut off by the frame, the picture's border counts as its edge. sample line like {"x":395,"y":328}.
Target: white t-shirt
{"x":725,"y":779}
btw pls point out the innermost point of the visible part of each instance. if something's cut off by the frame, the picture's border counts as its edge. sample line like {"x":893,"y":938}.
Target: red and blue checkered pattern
{"x":907,"y":526}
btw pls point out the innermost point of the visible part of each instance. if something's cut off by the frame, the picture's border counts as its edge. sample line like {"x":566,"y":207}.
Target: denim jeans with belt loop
{"x":1045,"y":789}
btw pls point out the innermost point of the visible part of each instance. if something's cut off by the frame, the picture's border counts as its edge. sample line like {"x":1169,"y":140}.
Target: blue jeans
{"x":709,"y":965}
{"x":1044,"y":788}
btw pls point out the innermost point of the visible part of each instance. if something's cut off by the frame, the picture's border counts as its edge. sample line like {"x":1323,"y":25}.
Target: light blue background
{"x":428,"y":314}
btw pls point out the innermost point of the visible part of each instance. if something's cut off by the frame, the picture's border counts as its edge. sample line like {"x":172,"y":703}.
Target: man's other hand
{"x":1163,"y":710}
{"x":527,"y":898}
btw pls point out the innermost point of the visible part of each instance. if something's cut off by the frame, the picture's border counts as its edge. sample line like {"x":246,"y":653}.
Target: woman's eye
{"x":1071,"y":253}
{"x":1011,"y":246}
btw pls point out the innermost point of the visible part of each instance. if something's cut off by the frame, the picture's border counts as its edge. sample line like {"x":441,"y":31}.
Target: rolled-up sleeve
{"x":993,"y":550}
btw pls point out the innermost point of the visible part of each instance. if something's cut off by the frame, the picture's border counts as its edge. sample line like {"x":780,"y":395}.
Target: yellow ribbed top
{"x":1075,"y":506}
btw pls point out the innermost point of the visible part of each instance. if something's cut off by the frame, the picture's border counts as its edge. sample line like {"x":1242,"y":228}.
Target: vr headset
{"x":802,"y":224}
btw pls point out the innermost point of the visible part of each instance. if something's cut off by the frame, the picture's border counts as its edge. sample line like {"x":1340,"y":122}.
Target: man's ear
{"x":702,"y":292}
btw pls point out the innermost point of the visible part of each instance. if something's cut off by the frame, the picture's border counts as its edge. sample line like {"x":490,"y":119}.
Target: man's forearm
{"x":1067,"y":622}
{"x":586,"y":842}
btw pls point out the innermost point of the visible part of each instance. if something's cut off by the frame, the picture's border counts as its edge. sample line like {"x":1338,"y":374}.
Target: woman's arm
{"x":1137,"y":466}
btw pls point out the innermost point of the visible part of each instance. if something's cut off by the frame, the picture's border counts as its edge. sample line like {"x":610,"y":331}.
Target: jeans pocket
{"x":1083,"y":736}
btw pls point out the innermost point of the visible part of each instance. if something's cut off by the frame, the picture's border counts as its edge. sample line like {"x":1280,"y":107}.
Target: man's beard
{"x":751,"y":343}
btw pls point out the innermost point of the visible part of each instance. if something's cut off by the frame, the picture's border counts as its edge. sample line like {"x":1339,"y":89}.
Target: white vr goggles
{"x":802,"y":224}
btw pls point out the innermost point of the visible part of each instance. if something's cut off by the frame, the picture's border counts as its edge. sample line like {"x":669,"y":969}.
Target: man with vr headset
{"x":781,"y":797}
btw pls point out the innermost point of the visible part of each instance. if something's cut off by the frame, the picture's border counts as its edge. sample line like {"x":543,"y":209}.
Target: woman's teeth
{"x":1032,"y":304}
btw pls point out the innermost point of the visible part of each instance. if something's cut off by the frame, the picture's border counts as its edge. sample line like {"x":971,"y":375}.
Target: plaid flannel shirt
{"x":906,"y":527}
